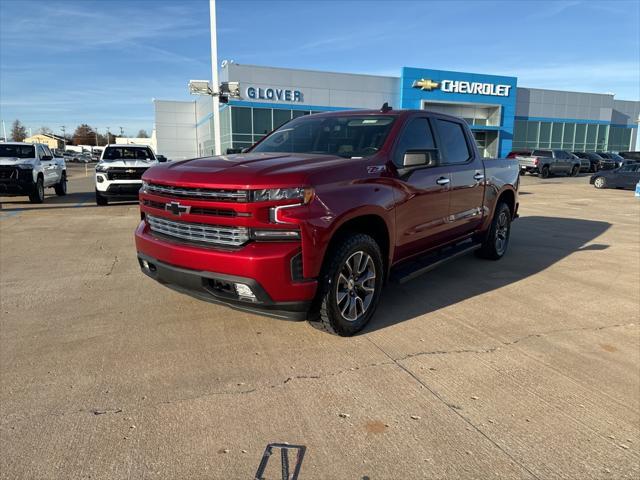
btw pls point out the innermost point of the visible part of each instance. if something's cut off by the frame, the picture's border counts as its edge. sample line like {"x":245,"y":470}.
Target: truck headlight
{"x":144,"y":186}
{"x":25,"y":166}
{"x":302,"y":194}
{"x":101,"y":168}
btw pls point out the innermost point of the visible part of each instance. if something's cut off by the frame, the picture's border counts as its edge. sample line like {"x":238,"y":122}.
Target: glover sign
{"x":274,"y":94}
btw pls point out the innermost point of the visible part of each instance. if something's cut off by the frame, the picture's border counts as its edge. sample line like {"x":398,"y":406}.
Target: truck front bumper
{"x":265,"y":269}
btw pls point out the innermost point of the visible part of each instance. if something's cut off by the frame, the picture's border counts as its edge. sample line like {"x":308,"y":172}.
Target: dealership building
{"x":502,"y":115}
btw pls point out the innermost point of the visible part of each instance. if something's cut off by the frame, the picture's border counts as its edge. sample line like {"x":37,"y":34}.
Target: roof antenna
{"x":385,"y":107}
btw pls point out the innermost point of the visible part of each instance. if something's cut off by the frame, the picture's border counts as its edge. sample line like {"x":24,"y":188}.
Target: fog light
{"x":245,"y":292}
{"x":99,"y":178}
{"x":145,"y":264}
{"x":274,"y":234}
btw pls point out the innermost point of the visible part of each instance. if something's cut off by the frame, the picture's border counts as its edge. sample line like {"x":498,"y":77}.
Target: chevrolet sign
{"x":460,"y":86}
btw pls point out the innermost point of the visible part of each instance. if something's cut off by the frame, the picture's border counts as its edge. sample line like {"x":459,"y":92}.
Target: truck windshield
{"x":128,"y":153}
{"x":349,"y":136}
{"x":17,"y":151}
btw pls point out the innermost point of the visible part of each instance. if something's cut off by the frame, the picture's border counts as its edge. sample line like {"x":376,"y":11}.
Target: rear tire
{"x":37,"y":195}
{"x":61,"y":188}
{"x":350,"y":285}
{"x":575,"y":171}
{"x":100,"y":200}
{"x":495,"y":244}
{"x":600,"y":182}
{"x":544,"y":173}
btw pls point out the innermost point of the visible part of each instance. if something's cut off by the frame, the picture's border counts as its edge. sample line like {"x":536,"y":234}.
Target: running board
{"x":414,"y":268}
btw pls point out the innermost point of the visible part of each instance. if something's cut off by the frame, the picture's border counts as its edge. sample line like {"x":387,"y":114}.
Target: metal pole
{"x":4,"y":130}
{"x":108,"y":136}
{"x":215,"y":85}
{"x":96,"y":132}
{"x":64,"y":137}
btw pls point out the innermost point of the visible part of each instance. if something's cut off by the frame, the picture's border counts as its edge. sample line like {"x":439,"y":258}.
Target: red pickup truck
{"x":312,"y":220}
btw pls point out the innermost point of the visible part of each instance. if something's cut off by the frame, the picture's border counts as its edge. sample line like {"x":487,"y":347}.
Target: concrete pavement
{"x":524,"y":368}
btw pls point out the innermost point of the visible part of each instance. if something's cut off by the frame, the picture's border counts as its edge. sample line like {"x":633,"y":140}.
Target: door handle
{"x":478,"y":176}
{"x":442,"y":181}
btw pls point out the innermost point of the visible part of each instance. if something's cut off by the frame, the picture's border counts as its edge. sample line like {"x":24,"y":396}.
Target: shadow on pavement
{"x":71,"y":200}
{"x":536,"y":243}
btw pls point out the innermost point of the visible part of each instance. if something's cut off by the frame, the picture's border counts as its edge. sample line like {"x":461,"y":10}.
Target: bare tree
{"x":45,"y":131}
{"x":18,"y":131}
{"x":143,"y":134}
{"x":84,"y":135}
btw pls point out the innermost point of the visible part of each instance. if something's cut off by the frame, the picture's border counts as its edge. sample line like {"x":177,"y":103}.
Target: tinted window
{"x":416,"y":135}
{"x":454,"y":142}
{"x":17,"y":151}
{"x":128,"y":153}
{"x":542,"y":153}
{"x":632,"y":167}
{"x":41,"y":151}
{"x":560,"y":154}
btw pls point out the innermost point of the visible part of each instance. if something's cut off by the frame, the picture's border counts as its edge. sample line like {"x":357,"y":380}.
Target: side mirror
{"x":46,"y":158}
{"x":244,"y":150}
{"x":420,"y":158}
{"x":161,"y":158}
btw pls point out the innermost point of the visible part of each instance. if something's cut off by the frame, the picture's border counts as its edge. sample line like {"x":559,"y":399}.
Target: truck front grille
{"x":7,"y":173}
{"x":123,"y":173}
{"x":200,"y":193}
{"x":200,"y":232}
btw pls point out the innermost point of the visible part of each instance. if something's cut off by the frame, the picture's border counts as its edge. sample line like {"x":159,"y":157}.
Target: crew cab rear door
{"x":48,"y":165}
{"x":466,"y":172}
{"x":422,"y":206}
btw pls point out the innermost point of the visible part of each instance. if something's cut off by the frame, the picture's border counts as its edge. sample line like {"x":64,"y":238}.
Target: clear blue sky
{"x":68,"y":62}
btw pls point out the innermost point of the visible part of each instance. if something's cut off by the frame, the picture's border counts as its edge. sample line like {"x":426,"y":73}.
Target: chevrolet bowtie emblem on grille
{"x":425,"y":84}
{"x":176,"y":208}
{"x":130,"y":170}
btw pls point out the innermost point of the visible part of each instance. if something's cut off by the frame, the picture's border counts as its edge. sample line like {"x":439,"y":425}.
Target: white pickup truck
{"x":119,"y":172}
{"x":29,"y":168}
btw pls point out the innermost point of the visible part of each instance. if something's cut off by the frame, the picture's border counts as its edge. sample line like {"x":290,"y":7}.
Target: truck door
{"x":466,"y":171}
{"x":47,"y":164}
{"x":422,"y":205}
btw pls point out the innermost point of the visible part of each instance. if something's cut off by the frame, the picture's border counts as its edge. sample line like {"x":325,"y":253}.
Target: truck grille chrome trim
{"x":209,"y":194}
{"x":200,"y":232}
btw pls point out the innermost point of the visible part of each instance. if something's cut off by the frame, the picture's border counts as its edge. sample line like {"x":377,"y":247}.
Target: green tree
{"x":18,"y":131}
{"x":143,"y":134}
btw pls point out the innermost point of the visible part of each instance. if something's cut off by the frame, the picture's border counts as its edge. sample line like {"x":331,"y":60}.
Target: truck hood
{"x":11,"y":161}
{"x":127,"y":163}
{"x":245,"y":170}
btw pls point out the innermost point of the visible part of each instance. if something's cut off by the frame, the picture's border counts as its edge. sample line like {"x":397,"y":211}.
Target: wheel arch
{"x":370,"y":223}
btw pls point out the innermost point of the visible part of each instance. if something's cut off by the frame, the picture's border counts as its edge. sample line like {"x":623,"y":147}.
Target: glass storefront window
{"x":532,"y":132}
{"x":556,"y":135}
{"x":262,"y":121}
{"x":280,"y":117}
{"x":581,"y":132}
{"x":592,"y":133}
{"x":545,"y":135}
{"x":241,"y":120}
{"x":299,"y":113}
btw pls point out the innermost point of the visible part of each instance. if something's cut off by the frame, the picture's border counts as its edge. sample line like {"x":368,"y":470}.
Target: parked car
{"x":630,"y":155}
{"x":617,"y":159}
{"x":596,"y":162}
{"x":119,"y":172}
{"x":29,"y":168}
{"x":585,"y":164}
{"x":519,"y":153}
{"x":549,"y":162}
{"x":312,"y":220}
{"x":624,"y":177}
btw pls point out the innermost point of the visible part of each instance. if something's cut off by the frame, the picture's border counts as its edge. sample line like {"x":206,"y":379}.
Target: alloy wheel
{"x":356,"y":286}
{"x":502,"y":233}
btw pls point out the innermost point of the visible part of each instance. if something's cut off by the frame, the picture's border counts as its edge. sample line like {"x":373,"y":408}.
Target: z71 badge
{"x":376,"y":169}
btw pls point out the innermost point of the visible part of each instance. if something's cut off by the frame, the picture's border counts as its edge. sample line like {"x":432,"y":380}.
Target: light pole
{"x":214,"y":78}
{"x":96,"y":132}
{"x":64,"y":137}
{"x":121,"y":132}
{"x":4,"y":130}
{"x":108,"y":137}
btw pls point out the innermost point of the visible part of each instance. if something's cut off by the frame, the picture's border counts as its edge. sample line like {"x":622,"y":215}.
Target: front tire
{"x":495,"y":244}
{"x":100,"y":200}
{"x":575,"y":171}
{"x":523,"y":172}
{"x":61,"y":187}
{"x":350,"y":286}
{"x":600,"y":182}
{"x":37,"y":196}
